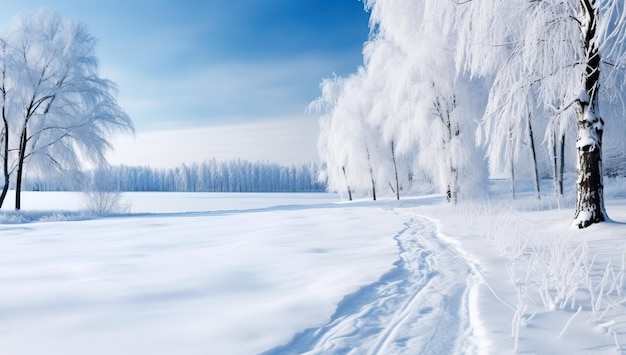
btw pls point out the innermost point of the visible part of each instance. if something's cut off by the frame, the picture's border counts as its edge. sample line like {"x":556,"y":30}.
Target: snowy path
{"x":418,"y":307}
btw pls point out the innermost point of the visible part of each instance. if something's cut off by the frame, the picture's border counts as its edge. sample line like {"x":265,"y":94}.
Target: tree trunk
{"x":395,"y":170}
{"x":5,"y":132}
{"x":562,"y":168}
{"x":5,"y":162}
{"x":373,"y":186}
{"x":512,"y":177}
{"x":5,"y":129}
{"x":534,"y":156}
{"x":559,"y":165}
{"x":512,"y":158}
{"x":20,"y":169}
{"x":555,"y":168}
{"x":589,"y":189}
{"x":453,"y":187}
{"x":369,"y":163}
{"x":347,"y":184}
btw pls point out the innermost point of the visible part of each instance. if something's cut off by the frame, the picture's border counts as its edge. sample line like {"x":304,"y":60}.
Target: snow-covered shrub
{"x":101,"y":196}
{"x":105,"y":202}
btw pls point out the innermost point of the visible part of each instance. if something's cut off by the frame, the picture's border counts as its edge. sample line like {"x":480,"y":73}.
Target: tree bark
{"x":558,"y":165}
{"x":590,"y":188}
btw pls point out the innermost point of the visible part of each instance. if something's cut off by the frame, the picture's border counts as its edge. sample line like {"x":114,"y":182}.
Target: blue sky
{"x":195,"y":65}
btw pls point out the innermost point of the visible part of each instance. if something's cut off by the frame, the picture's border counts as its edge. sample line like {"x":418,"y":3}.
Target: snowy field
{"x":306,"y":273}
{"x":170,"y":202}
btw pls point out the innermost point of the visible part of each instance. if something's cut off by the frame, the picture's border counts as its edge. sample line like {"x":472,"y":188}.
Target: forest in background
{"x":235,"y":175}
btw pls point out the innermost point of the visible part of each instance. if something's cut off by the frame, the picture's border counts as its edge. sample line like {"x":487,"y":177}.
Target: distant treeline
{"x":210,"y":176}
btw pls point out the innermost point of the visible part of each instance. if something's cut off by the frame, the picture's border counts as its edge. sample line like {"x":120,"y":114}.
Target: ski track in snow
{"x":428,"y":286}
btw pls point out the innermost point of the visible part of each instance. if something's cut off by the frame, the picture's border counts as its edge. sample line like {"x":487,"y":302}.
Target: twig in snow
{"x":570,"y":321}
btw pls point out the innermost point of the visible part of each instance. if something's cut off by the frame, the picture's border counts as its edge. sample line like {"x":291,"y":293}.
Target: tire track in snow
{"x":419,"y":306}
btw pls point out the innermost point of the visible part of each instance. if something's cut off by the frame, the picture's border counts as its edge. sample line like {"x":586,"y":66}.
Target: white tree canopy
{"x":60,"y":112}
{"x":406,"y":94}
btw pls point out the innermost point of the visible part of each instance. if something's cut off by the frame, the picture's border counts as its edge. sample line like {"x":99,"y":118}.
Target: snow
{"x":171,"y":202}
{"x":589,"y":137}
{"x":188,"y":284}
{"x":306,"y":273}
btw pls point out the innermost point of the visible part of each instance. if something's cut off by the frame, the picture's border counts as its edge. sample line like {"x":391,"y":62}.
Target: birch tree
{"x":565,"y":54}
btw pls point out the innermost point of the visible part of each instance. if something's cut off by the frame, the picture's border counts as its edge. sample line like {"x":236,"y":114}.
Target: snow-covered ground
{"x":306,"y":273}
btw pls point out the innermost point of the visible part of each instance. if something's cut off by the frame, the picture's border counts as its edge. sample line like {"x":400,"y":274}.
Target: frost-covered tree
{"x":433,"y":107}
{"x":349,"y":144}
{"x":568,"y":55}
{"x":334,"y":158}
{"x":405,"y":112}
{"x":63,"y":111}
{"x":5,"y":86}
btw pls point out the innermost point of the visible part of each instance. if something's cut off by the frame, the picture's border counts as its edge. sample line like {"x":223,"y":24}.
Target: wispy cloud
{"x":221,"y":92}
